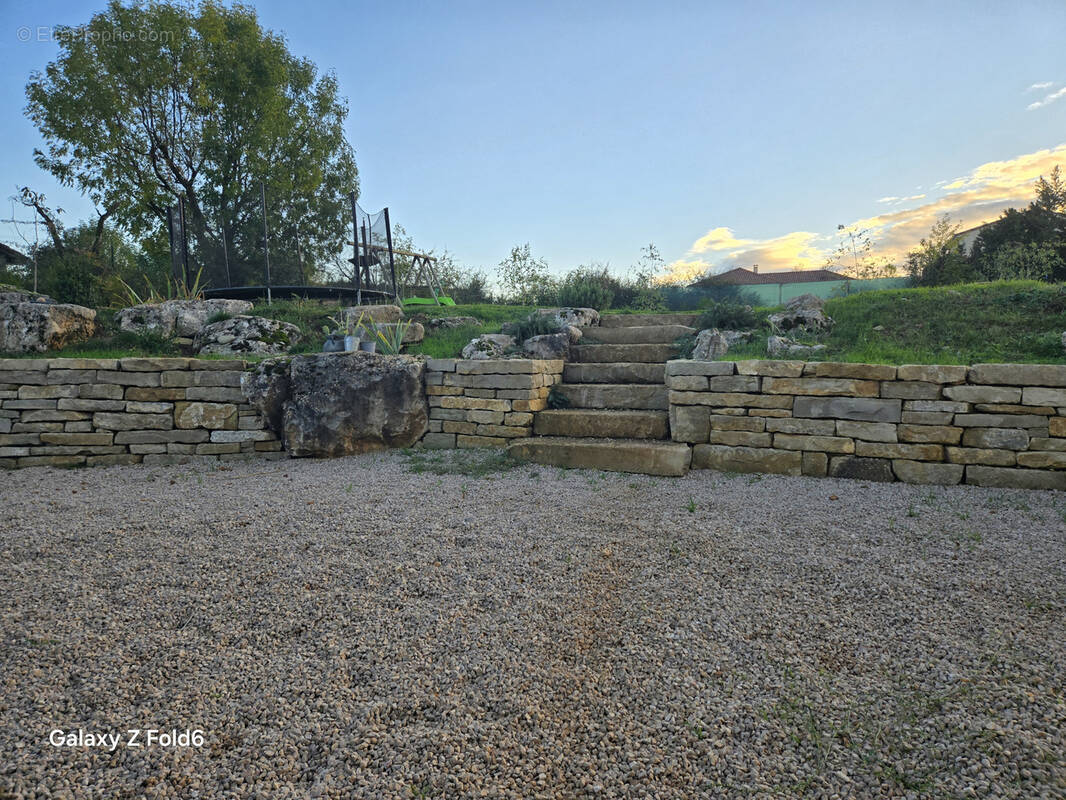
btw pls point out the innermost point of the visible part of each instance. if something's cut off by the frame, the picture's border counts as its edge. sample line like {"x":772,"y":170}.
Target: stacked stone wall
{"x":1000,"y":425}
{"x":485,"y":403}
{"x":80,"y":411}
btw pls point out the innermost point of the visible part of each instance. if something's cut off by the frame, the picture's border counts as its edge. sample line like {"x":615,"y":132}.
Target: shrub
{"x":727,"y":316}
{"x":587,"y":287}
{"x":536,"y":324}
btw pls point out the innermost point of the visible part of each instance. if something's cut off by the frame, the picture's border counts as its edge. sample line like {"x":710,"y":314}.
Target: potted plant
{"x":343,"y":338}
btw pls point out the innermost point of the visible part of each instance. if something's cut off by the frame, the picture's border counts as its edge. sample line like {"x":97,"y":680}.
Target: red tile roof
{"x":745,"y":277}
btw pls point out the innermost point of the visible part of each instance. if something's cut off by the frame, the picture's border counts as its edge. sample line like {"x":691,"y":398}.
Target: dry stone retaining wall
{"x":83,"y":411}
{"x":1000,"y":425}
{"x":485,"y":403}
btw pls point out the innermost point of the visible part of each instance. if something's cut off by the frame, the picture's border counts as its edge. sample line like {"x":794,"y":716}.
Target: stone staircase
{"x":618,"y":416}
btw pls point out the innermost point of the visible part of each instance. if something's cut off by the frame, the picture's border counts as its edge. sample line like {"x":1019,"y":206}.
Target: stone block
{"x":227,"y":437}
{"x":940,"y":406}
{"x":444,"y":390}
{"x":1009,"y":408}
{"x":452,"y":414}
{"x":996,"y":438}
{"x":154,"y":364}
{"x":867,"y":431}
{"x":48,"y":415}
{"x":824,"y":444}
{"x":212,"y":416}
{"x":731,"y":399}
{"x":821,"y":387}
{"x":228,"y":378}
{"x":51,"y":461}
{"x":145,"y":449}
{"x":438,"y":441}
{"x":478,"y":392}
{"x":473,"y":403}
{"x":29,"y":405}
{"x":79,"y":404}
{"x":816,"y":465}
{"x":470,"y":442}
{"x":435,"y":425}
{"x":24,"y":377}
{"x":868,"y":372}
{"x":1057,"y":426}
{"x":911,"y":390}
{"x":100,"y":391}
{"x":980,"y":455}
{"x":740,"y":438}
{"x":806,"y":427}
{"x":164,"y":437}
{"x":772,"y":369}
{"x":434,"y":378}
{"x":249,"y":423}
{"x":220,"y":363}
{"x":118,"y":459}
{"x":82,"y":363}
{"x":1044,"y":443}
{"x":75,"y":450}
{"x":687,"y":383}
{"x":41,"y":427}
{"x":518,"y":419}
{"x":928,"y":417}
{"x":485,"y":417}
{"x":1018,"y":375}
{"x":176,"y":379}
{"x":128,"y":378}
{"x":909,"y":452}
{"x":502,"y":431}
{"x":727,"y":422}
{"x":214,"y":394}
{"x":498,"y":366}
{"x":78,"y":438}
{"x":13,"y":452}
{"x":71,"y":376}
{"x":217,"y":448}
{"x":136,"y":407}
{"x":733,"y":383}
{"x":23,"y":365}
{"x":1007,"y":478}
{"x":272,"y":446}
{"x":777,"y":413}
{"x":441,"y":365}
{"x":46,"y":392}
{"x":1037,"y":396}
{"x":705,"y":368}
{"x":984,"y":394}
{"x":931,"y":434}
{"x":931,"y":373}
{"x":923,"y":472}
{"x":746,"y":459}
{"x":689,"y":423}
{"x":448,"y":426}
{"x":177,"y":447}
{"x":1000,"y":421}
{"x":862,"y":469}
{"x":864,"y":409}
{"x":132,"y":422}
{"x":1033,"y":460}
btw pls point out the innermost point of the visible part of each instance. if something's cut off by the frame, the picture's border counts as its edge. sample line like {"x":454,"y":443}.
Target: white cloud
{"x":1038,"y":86}
{"x":1048,"y":100}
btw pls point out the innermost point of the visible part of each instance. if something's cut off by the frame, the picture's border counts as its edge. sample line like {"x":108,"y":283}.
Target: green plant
{"x":536,"y":324}
{"x":727,"y":316}
{"x":219,"y":316}
{"x":390,"y":337}
{"x":587,"y":287}
{"x":691,"y":506}
{"x":172,"y":290}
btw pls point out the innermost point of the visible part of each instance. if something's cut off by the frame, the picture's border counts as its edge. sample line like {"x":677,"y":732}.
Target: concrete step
{"x":616,"y":395}
{"x":616,"y":455}
{"x":612,"y":424}
{"x":637,"y":334}
{"x":601,"y":353}
{"x":640,"y":320}
{"x":618,"y":372}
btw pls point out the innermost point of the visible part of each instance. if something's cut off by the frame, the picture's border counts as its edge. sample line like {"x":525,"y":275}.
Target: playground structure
{"x":373,"y":276}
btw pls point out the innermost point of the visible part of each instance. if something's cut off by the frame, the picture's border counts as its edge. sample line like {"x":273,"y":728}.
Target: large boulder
{"x":371,"y":313}
{"x":710,"y":345}
{"x":177,"y":318}
{"x":811,"y":320}
{"x":777,"y":346}
{"x":805,"y":302}
{"x":578,"y":317}
{"x":243,"y":334}
{"x":550,"y":346}
{"x":488,"y":346}
{"x":32,"y":322}
{"x":446,"y":323}
{"x":336,"y":404}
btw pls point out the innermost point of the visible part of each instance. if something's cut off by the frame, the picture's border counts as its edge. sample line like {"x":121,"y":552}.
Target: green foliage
{"x":204,"y":111}
{"x":536,"y":324}
{"x":1030,"y":261}
{"x":939,"y":258}
{"x":388,"y":337}
{"x":588,"y":287}
{"x":727,"y":316}
{"x":1051,"y":192}
{"x":854,"y":256}
{"x":449,"y":342}
{"x":168,"y":290}
{"x":525,"y":279}
{"x":472,"y":463}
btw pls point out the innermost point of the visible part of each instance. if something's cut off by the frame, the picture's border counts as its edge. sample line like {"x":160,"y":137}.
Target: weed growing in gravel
{"x":475,"y":463}
{"x":691,"y":506}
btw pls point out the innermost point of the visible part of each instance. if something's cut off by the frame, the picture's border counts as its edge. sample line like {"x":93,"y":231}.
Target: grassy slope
{"x":1017,"y":321}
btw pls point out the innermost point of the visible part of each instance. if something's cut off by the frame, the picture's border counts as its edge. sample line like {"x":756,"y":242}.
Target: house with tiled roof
{"x":752,"y":277}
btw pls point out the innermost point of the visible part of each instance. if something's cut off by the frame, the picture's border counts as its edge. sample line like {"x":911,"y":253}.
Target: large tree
{"x":154,"y":102}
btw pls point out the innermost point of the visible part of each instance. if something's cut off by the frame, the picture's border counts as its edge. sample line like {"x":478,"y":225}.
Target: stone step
{"x":616,"y":455}
{"x":644,"y":353}
{"x":616,"y":395}
{"x":616,"y":372}
{"x":637,"y":334}
{"x":640,"y":320}
{"x":611,"y":424}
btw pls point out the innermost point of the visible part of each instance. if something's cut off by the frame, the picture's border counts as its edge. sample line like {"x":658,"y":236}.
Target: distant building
{"x":752,"y":277}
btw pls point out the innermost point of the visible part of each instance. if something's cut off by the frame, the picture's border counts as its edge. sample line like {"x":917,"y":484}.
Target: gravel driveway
{"x":354,"y":628}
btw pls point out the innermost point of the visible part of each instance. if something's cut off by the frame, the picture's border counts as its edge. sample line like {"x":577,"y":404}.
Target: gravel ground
{"x":354,"y":628}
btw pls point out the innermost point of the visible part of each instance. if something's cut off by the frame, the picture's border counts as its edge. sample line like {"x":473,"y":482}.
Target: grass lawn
{"x":1015,"y":321}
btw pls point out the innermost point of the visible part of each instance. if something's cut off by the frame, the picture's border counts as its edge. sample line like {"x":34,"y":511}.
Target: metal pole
{"x":300,"y":258}
{"x":392,"y":264}
{"x":366,"y":260}
{"x":355,"y":239}
{"x":225,"y":255}
{"x":266,"y":237}
{"x":174,"y":270}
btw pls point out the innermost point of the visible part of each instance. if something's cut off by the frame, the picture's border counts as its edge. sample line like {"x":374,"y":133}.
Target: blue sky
{"x":726,"y":133}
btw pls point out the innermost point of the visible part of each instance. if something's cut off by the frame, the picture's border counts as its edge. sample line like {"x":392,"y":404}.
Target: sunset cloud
{"x":970,"y":200}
